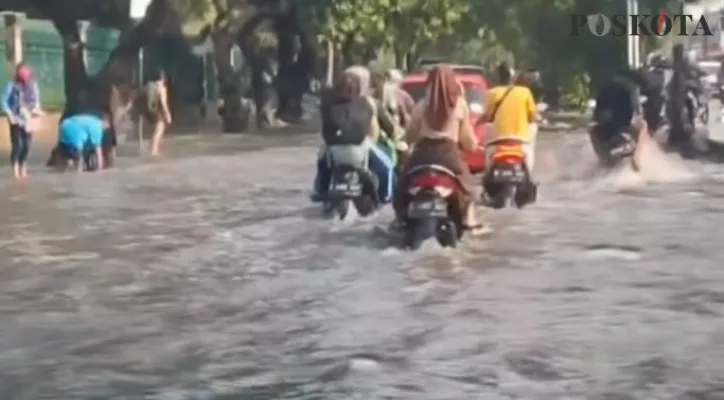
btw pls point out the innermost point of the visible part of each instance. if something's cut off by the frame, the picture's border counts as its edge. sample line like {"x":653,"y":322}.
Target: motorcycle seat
{"x":431,"y":167}
{"x":506,"y":140}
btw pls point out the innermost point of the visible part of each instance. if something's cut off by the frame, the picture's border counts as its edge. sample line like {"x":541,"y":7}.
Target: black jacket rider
{"x":616,"y":105}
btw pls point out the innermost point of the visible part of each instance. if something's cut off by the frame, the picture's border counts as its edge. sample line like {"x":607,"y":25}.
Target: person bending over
{"x":80,"y":133}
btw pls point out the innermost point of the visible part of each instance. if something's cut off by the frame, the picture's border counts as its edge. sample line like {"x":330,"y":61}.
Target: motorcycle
{"x":508,"y":181}
{"x":697,"y":109}
{"x":350,"y":186}
{"x":618,"y":150}
{"x":432,"y":210}
{"x":615,"y":152}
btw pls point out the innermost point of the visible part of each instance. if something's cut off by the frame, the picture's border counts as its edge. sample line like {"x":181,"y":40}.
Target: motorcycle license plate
{"x":508,"y":174}
{"x":427,"y":209}
{"x":346,"y":187}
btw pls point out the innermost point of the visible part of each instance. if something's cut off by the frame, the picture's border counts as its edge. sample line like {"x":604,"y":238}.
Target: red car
{"x":475,"y":88}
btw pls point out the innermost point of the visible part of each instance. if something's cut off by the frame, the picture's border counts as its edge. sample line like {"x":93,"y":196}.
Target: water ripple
{"x":211,"y":277}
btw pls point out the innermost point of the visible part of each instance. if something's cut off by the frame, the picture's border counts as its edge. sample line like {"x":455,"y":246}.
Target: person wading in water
{"x":154,"y":106}
{"x":20,"y":103}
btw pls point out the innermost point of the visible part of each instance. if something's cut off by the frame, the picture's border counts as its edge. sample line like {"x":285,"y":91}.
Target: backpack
{"x":151,"y":94}
{"x":347,"y":122}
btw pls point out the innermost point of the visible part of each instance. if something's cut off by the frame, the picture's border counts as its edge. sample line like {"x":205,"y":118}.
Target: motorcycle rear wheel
{"x":416,"y":232}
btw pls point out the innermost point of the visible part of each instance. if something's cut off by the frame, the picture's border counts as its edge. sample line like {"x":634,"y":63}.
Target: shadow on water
{"x":212,"y":277}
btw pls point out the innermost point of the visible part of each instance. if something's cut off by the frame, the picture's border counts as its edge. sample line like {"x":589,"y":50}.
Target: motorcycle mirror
{"x":541,"y":107}
{"x":476,"y":108}
{"x":591,"y":104}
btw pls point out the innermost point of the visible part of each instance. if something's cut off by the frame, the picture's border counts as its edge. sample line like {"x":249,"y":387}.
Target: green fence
{"x":43,"y":51}
{"x":99,"y":44}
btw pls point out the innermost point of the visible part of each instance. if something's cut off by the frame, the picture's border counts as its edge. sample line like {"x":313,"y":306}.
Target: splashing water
{"x":655,"y":166}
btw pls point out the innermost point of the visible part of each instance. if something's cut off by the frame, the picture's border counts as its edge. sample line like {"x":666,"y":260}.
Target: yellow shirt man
{"x":515,"y":113}
{"x":515,"y":118}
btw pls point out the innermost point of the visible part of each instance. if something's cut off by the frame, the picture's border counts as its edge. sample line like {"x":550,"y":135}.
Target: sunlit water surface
{"x":211,"y":276}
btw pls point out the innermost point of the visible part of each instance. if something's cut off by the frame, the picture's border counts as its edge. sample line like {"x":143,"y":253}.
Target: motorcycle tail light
{"x":444,"y":185}
{"x":508,"y":159}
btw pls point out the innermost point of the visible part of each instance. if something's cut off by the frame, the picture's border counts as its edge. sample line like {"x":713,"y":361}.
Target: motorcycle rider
{"x":384,"y":92}
{"x":511,"y":112}
{"x":695,"y":86}
{"x":405,"y":102}
{"x":656,"y":75}
{"x":439,"y":133}
{"x":618,"y":111}
{"x":351,"y":129}
{"x":389,"y":114}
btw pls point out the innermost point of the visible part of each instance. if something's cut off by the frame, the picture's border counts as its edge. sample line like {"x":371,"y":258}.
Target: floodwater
{"x":210,"y":276}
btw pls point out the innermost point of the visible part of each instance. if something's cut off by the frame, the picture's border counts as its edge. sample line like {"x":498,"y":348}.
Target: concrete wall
{"x":45,"y":138}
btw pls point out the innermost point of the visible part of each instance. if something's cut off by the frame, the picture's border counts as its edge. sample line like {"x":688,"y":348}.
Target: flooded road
{"x":212,"y":277}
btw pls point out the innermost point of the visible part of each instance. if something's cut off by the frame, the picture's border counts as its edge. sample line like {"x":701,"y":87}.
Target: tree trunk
{"x":400,"y":58}
{"x":260,"y":68}
{"x":348,"y":57}
{"x":288,"y":103}
{"x":75,"y":76}
{"x":117,"y":74}
{"x":410,"y":61}
{"x":331,"y":56}
{"x":233,"y":116}
{"x":297,"y":58}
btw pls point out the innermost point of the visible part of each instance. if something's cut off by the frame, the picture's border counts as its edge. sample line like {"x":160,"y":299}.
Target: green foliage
{"x":577,"y":92}
{"x":534,"y":33}
{"x":402,"y":24}
{"x":416,"y":24}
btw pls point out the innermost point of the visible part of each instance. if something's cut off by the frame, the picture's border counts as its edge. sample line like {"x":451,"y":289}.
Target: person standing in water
{"x":155,"y":108}
{"x":21,"y":102}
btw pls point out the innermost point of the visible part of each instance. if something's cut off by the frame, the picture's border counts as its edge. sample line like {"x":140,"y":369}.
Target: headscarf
{"x":353,"y":83}
{"x":23,"y":74}
{"x":364,"y":76}
{"x":443,"y":92}
{"x":395,"y":76}
{"x":26,"y":86}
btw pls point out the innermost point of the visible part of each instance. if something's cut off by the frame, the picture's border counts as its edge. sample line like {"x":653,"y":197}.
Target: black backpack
{"x":346,"y":122}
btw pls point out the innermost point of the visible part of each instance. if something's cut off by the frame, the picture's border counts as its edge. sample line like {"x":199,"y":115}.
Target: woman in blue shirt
{"x":20,"y":102}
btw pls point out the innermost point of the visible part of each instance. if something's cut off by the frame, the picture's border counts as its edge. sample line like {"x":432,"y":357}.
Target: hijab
{"x":443,"y":92}
{"x":355,"y":82}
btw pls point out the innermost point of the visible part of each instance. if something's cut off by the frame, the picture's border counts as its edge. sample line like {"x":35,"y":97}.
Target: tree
{"x":417,"y":24}
{"x":64,"y":16}
{"x":221,"y":21}
{"x":536,"y":33}
{"x":238,"y":22}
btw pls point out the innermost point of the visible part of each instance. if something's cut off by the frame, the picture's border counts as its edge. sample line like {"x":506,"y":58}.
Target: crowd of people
{"x":86,"y":138}
{"x":378,"y":128}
